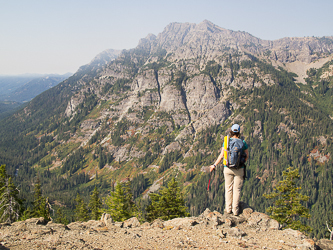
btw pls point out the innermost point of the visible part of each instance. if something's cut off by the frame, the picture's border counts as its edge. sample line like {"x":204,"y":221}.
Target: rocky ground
{"x":210,"y":230}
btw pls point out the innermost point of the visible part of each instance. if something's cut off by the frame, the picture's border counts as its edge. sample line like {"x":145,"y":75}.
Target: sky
{"x":56,"y":37}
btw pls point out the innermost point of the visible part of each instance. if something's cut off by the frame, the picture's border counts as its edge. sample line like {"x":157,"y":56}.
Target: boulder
{"x":158,"y":223}
{"x":132,"y":222}
{"x":182,"y":222}
{"x":57,"y":227}
{"x":107,"y":219}
{"x":247,"y":213}
{"x":262,"y":221}
{"x":307,"y":244}
{"x":295,"y":233}
{"x":232,"y":220}
{"x":36,"y":221}
{"x":325,"y":244}
{"x":235,"y":232}
{"x":205,"y":213}
{"x":119,"y":224}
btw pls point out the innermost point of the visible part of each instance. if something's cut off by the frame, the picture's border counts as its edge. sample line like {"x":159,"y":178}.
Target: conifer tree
{"x":121,"y":204}
{"x":95,"y":205}
{"x":287,"y":208}
{"x":10,"y":204}
{"x":168,"y":204}
{"x":60,"y":217}
{"x":3,"y":175}
{"x":81,"y":210}
{"x":41,"y":206}
{"x":330,"y":227}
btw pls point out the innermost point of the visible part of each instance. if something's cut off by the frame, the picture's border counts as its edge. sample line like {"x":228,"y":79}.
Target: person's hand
{"x":211,"y":168}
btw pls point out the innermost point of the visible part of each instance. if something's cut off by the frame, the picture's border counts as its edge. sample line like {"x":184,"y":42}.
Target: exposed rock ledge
{"x":210,"y":230}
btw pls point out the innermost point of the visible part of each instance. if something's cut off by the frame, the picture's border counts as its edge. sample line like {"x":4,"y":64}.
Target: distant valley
{"x":17,"y":90}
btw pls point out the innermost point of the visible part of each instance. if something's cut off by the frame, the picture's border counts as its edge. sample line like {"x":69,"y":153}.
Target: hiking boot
{"x":227,"y":212}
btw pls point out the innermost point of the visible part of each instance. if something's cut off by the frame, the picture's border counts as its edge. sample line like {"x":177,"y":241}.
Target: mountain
{"x":33,"y":88}
{"x":161,"y":110}
{"x":10,"y":83}
{"x":17,"y":90}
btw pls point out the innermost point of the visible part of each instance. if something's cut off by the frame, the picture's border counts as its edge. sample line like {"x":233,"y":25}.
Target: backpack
{"x":236,"y":155}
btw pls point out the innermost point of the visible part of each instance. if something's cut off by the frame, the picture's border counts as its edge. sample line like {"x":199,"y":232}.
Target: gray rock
{"x":57,"y":227}
{"x":119,"y":224}
{"x":235,"y":232}
{"x":262,"y":221}
{"x":325,"y":244}
{"x":183,"y":222}
{"x":220,"y":232}
{"x":231,"y":220}
{"x":307,"y":244}
{"x":132,"y":222}
{"x":158,"y":223}
{"x":247,"y":212}
{"x":36,"y":221}
{"x":107,"y":219}
{"x":295,"y":233}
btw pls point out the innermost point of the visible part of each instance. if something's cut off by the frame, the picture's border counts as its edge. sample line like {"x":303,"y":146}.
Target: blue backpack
{"x":236,"y":155}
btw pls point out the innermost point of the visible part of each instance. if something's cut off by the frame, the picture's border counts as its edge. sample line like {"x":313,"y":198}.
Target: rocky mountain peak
{"x":209,"y":26}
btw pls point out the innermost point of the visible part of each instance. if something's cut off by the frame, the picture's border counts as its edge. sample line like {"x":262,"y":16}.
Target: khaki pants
{"x":233,"y":185}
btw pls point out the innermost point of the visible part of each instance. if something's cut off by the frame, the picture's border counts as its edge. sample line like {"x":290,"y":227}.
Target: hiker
{"x":233,"y":175}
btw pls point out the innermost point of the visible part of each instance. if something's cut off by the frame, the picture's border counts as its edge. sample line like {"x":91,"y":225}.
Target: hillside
{"x":161,"y":110}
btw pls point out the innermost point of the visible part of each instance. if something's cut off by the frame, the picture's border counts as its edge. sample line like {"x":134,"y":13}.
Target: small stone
{"x":247,"y":212}
{"x":220,"y":233}
{"x":228,"y":222}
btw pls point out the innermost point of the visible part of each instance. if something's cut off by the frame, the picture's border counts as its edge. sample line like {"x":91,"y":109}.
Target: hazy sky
{"x":59,"y":36}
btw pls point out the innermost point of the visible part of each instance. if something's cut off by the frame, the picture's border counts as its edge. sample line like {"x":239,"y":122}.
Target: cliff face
{"x":189,"y":69}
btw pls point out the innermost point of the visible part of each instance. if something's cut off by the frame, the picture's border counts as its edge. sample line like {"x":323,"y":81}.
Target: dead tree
{"x":331,"y":231}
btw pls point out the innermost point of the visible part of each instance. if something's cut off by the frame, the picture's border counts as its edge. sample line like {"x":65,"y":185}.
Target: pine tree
{"x":95,"y":205}
{"x":41,"y":206}
{"x":10,"y":204}
{"x":60,"y":217}
{"x":287,"y":208}
{"x":3,"y":175}
{"x":121,"y":204}
{"x":329,"y":225}
{"x":81,"y":210}
{"x":168,"y":204}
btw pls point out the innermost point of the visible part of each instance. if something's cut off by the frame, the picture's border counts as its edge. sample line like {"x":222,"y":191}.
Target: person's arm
{"x":219,"y":159}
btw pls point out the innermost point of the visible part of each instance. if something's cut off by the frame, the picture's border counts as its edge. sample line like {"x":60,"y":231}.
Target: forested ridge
{"x":285,"y":123}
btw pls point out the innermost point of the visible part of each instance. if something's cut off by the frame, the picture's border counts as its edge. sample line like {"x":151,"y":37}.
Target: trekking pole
{"x":210,"y":177}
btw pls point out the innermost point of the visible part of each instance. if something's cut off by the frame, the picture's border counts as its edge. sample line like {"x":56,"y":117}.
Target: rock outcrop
{"x":210,"y":230}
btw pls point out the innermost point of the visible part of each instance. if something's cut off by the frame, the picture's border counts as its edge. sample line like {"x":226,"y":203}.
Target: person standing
{"x":233,"y":176}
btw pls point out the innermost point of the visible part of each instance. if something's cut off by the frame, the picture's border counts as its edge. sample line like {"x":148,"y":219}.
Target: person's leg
{"x":229,"y":184}
{"x":238,"y":183}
